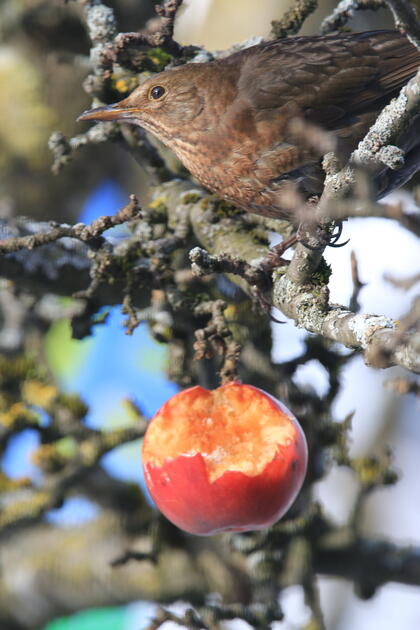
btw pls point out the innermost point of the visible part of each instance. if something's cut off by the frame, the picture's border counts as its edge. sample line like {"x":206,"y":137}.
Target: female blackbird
{"x":228,"y":120}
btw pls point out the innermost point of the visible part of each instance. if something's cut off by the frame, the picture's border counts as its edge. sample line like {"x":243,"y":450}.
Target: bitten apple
{"x":231,"y":459}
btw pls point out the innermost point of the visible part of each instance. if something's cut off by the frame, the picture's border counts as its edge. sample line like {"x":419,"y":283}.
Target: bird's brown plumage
{"x":228,"y":120}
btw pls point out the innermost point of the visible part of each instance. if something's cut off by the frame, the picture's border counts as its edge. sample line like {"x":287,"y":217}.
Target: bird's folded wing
{"x":331,"y":80}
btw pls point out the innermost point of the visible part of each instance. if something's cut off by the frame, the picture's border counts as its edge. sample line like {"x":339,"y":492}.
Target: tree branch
{"x":406,"y":19}
{"x":293,"y":19}
{"x":301,"y":293}
{"x":89,"y":234}
{"x":59,"y":560}
{"x":89,"y":550}
{"x":370,"y":563}
{"x":345,"y":10}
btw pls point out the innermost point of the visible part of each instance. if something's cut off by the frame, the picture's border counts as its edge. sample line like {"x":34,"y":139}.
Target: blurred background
{"x":43,"y":62}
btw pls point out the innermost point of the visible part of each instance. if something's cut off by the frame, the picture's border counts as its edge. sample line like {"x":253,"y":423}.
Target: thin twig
{"x":293,"y":19}
{"x":344,"y":11}
{"x":404,"y":386}
{"x":131,"y":554}
{"x":402,"y":283}
{"x":357,"y":283}
{"x":89,"y":234}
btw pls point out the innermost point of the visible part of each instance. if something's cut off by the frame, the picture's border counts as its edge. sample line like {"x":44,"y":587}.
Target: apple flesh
{"x":231,"y":459}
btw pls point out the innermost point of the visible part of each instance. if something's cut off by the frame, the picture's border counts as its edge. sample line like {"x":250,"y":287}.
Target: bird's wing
{"x":330,"y":80}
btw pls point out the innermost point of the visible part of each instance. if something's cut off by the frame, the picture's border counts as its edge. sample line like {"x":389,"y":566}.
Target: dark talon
{"x":336,"y":245}
{"x":264,"y":304}
{"x":276,"y":321}
{"x":335,"y":237}
{"x":330,"y":240}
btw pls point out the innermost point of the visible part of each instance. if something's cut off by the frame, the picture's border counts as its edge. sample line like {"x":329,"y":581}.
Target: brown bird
{"x":228,"y":120}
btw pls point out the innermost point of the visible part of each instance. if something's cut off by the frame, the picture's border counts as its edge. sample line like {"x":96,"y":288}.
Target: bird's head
{"x":165,"y":104}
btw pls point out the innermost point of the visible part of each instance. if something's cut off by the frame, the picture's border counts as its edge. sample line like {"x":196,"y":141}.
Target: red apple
{"x":231,"y":459}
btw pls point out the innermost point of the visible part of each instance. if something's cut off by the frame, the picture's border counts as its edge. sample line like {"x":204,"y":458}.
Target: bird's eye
{"x":156,"y":92}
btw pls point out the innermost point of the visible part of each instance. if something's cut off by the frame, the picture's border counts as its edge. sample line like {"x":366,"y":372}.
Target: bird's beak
{"x":116,"y":111}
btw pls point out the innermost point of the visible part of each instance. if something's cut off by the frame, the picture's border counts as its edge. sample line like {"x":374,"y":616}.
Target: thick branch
{"x":85,"y":568}
{"x":370,"y":563}
{"x":59,"y":560}
{"x":294,"y":293}
{"x":406,"y":19}
{"x":308,"y":306}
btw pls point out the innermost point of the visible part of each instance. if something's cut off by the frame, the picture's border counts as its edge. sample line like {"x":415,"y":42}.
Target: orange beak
{"x":116,"y":111}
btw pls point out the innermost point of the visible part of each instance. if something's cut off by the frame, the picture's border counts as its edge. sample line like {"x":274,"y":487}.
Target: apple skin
{"x":235,"y":501}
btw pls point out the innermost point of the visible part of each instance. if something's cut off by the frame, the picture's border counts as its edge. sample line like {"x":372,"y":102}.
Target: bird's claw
{"x":264,"y":304}
{"x":336,"y":235}
{"x":274,"y":257}
{"x":322,"y":236}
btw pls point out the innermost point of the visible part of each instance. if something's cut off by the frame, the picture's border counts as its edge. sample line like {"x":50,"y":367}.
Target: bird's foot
{"x":319,"y":238}
{"x":264,"y":304}
{"x":274,"y":257}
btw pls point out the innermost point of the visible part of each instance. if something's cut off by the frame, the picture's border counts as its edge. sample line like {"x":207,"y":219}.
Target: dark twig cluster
{"x":217,"y":335}
{"x":161,"y":35}
{"x":204,"y":263}
{"x":69,"y":449}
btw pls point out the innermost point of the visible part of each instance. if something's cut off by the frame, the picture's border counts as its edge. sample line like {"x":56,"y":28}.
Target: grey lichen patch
{"x":331,"y":164}
{"x":337,"y":183}
{"x":390,"y":122}
{"x":309,"y":316}
{"x":307,"y":307}
{"x":365,"y":326}
{"x":355,"y":330}
{"x":227,"y":236}
{"x":101,"y":23}
{"x":392,"y":156}
{"x":335,"y":326}
{"x":413,"y":89}
{"x":342,"y":12}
